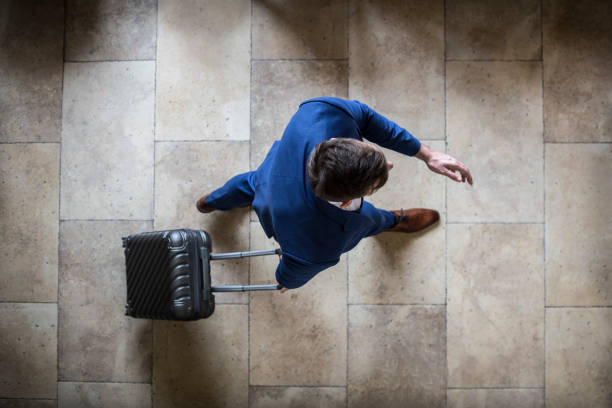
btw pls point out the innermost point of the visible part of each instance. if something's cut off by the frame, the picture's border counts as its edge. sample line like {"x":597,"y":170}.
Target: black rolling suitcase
{"x":168,"y":274}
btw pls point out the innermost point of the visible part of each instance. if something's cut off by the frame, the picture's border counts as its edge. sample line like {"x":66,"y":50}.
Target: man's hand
{"x":283,"y":290}
{"x":444,"y":164}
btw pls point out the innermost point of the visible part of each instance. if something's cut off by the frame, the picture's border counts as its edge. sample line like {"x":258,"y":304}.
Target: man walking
{"x":308,"y":192}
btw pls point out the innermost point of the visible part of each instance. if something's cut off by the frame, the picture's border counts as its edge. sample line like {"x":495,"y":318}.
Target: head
{"x":342,"y":169}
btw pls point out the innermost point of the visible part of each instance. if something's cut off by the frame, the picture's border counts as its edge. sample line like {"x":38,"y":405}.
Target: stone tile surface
{"x":492,"y":398}
{"x":298,"y":337}
{"x":203,"y":363}
{"x":297,"y":29}
{"x":185,"y":171}
{"x":495,"y":305}
{"x":396,"y":356}
{"x":498,"y":30}
{"x":578,"y":357}
{"x":28,"y":403}
{"x":29,"y":209}
{"x":102,"y":395}
{"x":494,"y":126}
{"x":278,"y":88}
{"x":107,"y":140}
{"x":578,"y":219}
{"x":396,"y":59}
{"x":295,"y":397}
{"x":577,"y":70}
{"x":31,"y":63}
{"x":97,"y":342}
{"x":203,"y":70}
{"x":110,"y":30}
{"x":28,"y":356}
{"x":401,"y":268}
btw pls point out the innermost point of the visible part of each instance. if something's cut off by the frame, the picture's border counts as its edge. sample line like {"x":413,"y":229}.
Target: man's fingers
{"x":460,"y":167}
{"x":451,"y":174}
{"x":283,"y":290}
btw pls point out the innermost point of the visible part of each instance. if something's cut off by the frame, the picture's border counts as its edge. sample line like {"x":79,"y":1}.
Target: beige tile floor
{"x":115,"y":116}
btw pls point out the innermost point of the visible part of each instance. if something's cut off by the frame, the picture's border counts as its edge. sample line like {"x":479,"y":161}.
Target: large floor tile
{"x":298,"y":337}
{"x":29,"y":208}
{"x":401,"y":268}
{"x":203,"y":363}
{"x":298,"y":29}
{"x":495,"y":305}
{"x":31,"y":63}
{"x":97,"y":342}
{"x":203,"y":70}
{"x":578,"y":219}
{"x":396,"y":59}
{"x":107,"y":140}
{"x":102,"y":395}
{"x":396,"y":356}
{"x":278,"y":88}
{"x":28,"y":403}
{"x":492,"y":398}
{"x":294,"y":397}
{"x":578,"y":357}
{"x":28,"y":356}
{"x":110,"y":30}
{"x":499,"y":30}
{"x":184,"y":171}
{"x":577,"y":71}
{"x":395,"y":268}
{"x":494,"y":126}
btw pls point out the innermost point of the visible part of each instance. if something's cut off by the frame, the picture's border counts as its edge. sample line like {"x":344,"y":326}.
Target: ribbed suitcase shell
{"x":168,"y":275}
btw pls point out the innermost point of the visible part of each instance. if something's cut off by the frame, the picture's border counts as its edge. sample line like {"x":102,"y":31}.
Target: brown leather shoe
{"x":414,"y":219}
{"x":202,"y":207}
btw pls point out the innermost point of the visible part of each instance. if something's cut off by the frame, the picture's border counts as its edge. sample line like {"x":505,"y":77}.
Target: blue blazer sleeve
{"x":380,"y":130}
{"x":293,"y":273}
{"x":375,"y":127}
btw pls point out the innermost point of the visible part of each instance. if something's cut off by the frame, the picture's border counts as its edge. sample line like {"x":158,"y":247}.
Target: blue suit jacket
{"x":313,"y":233}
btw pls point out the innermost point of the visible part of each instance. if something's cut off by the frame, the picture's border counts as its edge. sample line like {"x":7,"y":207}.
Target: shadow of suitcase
{"x":168,"y":274}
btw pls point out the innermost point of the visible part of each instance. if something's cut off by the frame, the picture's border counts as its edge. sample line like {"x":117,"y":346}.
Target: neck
{"x":346,"y":204}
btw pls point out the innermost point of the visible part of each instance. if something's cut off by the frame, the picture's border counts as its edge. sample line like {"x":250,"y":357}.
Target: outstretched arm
{"x":444,"y":164}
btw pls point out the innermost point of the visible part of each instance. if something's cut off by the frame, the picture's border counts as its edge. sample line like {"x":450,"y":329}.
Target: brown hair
{"x":342,"y":169}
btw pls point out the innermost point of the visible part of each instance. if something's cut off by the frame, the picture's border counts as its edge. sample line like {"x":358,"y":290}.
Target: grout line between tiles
{"x":579,"y":307}
{"x":561,"y":142}
{"x":493,"y":60}
{"x":36,"y":142}
{"x":249,"y":222}
{"x":543,"y":186}
{"x":298,"y":386}
{"x":59,"y":211}
{"x":495,"y":388}
{"x":154,"y":172}
{"x":298,"y":59}
{"x":347,"y":331}
{"x":104,"y":382}
{"x":445,"y":231}
{"x":123,"y":60}
{"x":396,"y":304}
{"x":28,"y":398}
{"x":103,"y":219}
{"x":28,"y":302}
{"x":204,"y":140}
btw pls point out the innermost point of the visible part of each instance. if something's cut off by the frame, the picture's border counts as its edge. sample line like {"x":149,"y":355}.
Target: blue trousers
{"x":240,"y":190}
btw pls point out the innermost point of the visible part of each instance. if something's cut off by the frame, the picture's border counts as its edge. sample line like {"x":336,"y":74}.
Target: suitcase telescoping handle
{"x":241,"y":288}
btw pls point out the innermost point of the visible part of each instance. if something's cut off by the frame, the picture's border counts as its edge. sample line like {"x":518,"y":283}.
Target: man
{"x":308,"y":192}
